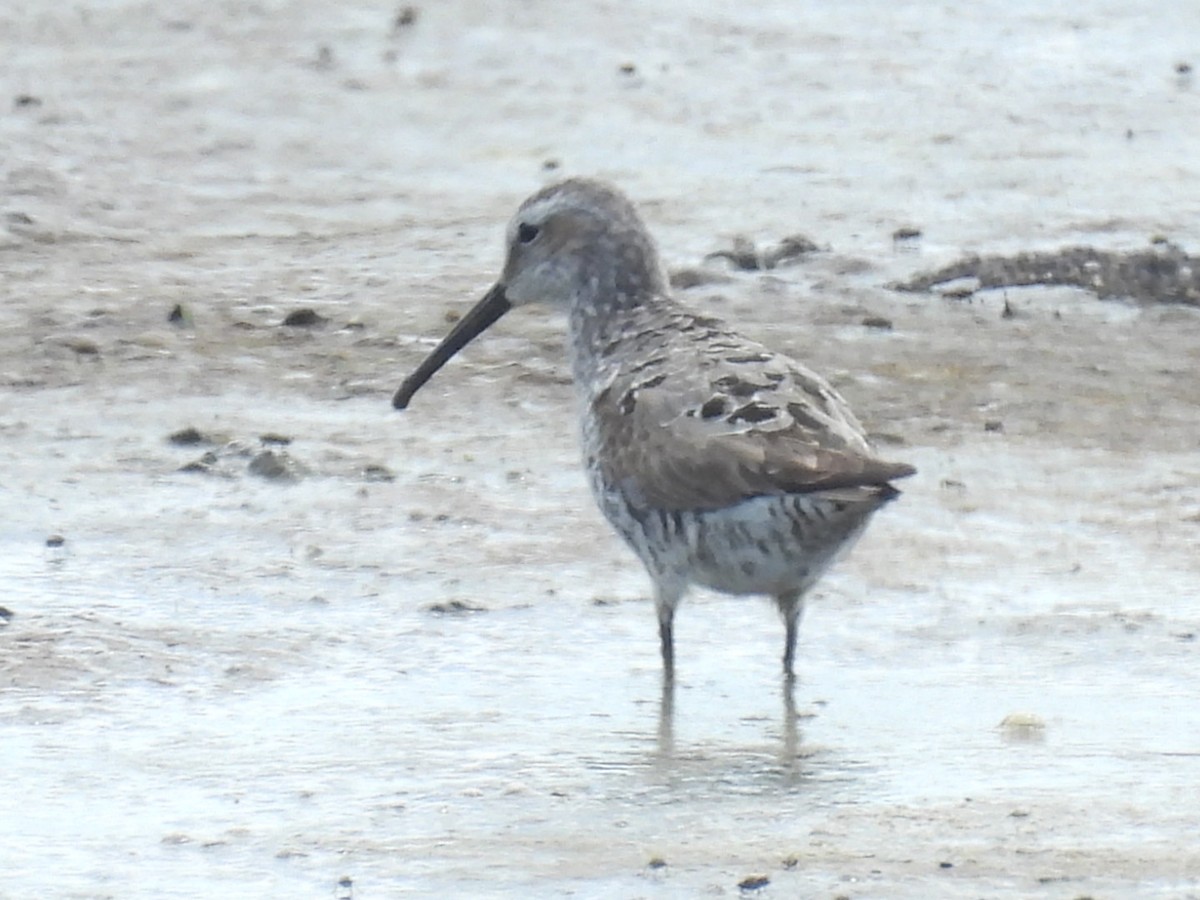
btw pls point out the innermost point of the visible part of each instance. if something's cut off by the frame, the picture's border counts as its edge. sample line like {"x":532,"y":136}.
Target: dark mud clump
{"x":687,"y":278}
{"x":236,"y":458}
{"x":1161,"y":274}
{"x":189,"y":437}
{"x":455,"y":608}
{"x":747,"y":257}
{"x":753,"y":883}
{"x":276,"y":466}
{"x":304,"y":318}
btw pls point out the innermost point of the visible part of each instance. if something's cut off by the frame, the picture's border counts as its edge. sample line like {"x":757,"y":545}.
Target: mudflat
{"x":267,"y":637}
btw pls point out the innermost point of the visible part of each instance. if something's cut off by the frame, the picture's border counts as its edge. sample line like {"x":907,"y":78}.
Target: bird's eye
{"x":526,"y":232}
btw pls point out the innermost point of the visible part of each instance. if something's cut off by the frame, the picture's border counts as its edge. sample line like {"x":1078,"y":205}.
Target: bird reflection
{"x":666,"y":718}
{"x":789,"y":747}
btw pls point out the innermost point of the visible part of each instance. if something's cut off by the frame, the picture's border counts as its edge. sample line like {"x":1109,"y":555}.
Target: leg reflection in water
{"x":666,"y":719}
{"x":789,"y":747}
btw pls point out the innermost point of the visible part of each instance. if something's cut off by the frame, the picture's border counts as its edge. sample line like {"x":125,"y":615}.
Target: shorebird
{"x":721,"y":463}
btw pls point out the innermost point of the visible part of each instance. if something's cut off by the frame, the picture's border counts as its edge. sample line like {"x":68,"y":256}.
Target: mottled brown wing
{"x":704,"y":437}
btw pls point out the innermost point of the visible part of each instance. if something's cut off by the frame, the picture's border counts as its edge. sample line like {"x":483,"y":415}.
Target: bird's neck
{"x":599,"y":334}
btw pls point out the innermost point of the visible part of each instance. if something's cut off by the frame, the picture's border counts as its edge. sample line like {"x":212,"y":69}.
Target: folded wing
{"x":745,"y":424}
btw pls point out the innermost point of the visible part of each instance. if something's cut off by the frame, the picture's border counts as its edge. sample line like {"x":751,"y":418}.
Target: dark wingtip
{"x":887,"y":493}
{"x":899,"y":470}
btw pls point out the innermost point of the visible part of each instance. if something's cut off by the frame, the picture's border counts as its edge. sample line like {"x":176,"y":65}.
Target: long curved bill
{"x":493,"y":305}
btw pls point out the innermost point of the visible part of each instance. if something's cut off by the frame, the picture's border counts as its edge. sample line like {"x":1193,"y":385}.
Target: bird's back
{"x":684,"y":414}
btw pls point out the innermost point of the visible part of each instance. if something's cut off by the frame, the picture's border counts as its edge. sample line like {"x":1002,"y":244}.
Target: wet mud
{"x":419,"y":664}
{"x":1163,"y":274}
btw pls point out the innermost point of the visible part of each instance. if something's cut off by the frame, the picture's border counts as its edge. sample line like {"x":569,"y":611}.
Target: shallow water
{"x":223,"y":685}
{"x":226,"y":708}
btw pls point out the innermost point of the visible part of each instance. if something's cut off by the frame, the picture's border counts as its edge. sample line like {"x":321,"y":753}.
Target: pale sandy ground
{"x":231,"y":687}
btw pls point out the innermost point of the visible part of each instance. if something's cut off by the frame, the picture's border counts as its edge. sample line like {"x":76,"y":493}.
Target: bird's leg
{"x":666,"y":640}
{"x":791,"y":607}
{"x":666,"y":598}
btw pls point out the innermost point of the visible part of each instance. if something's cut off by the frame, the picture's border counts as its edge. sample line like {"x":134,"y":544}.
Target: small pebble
{"x":274,"y":466}
{"x":1023,"y":728}
{"x":406,"y":17}
{"x":754,"y":883}
{"x":188,"y":437}
{"x":376,"y":472}
{"x":304,"y":318}
{"x":455,"y":608}
{"x":1023,"y":720}
{"x":83,"y":346}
